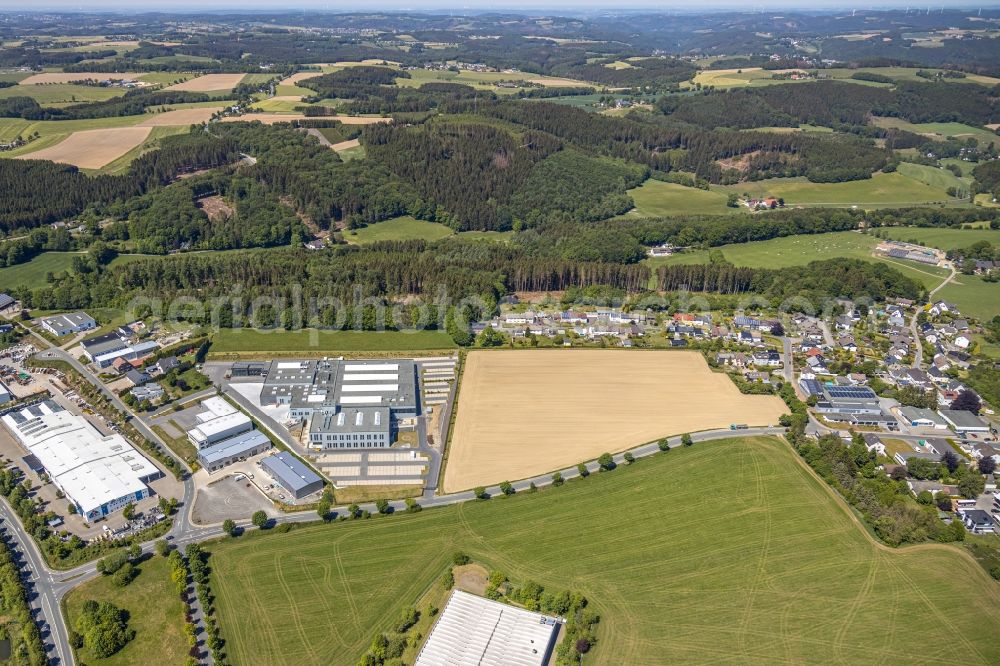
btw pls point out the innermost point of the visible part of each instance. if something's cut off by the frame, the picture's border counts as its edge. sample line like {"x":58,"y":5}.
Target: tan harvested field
{"x":180,"y":117}
{"x":557,"y":82}
{"x":92,"y":149}
{"x":299,"y":76}
{"x":346,"y":145}
{"x":209,"y":82}
{"x":63,"y":77}
{"x":527,"y":412}
{"x":271,"y":118}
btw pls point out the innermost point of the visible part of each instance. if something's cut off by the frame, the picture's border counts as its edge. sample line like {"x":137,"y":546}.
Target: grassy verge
{"x":363,"y":494}
{"x":324,"y":343}
{"x":155,"y":613}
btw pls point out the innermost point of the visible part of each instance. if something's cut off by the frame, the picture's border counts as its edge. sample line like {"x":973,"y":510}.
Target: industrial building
{"x":848,"y":400}
{"x":248,"y":369}
{"x":225,"y":453}
{"x":98,"y":474}
{"x":103,"y":350}
{"x":963,"y":422}
{"x":64,"y":324}
{"x":218,"y":422}
{"x":5,"y":394}
{"x":348,"y":404}
{"x":473,"y":631}
{"x":292,"y":474}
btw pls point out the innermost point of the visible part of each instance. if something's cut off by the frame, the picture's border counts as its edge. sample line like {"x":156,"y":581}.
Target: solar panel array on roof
{"x":856,"y":392}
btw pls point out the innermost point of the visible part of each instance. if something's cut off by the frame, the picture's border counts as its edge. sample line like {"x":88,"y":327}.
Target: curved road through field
{"x":50,"y":586}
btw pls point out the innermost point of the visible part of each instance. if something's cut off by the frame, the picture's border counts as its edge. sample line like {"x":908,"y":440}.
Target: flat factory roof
{"x":90,"y":468}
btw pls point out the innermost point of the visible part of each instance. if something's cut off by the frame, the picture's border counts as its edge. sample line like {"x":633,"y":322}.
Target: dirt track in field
{"x":92,"y":149}
{"x":527,"y":412}
{"x":208,"y":82}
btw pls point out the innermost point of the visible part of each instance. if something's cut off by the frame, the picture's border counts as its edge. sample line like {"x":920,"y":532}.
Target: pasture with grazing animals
{"x":778,"y":569}
{"x":526,"y":412}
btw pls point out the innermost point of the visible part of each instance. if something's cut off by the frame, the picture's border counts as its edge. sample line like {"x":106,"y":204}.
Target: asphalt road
{"x":51,"y":586}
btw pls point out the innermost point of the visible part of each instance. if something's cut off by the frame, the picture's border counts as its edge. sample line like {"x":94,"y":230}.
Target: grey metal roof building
{"x":963,"y":421}
{"x":5,"y":301}
{"x":848,"y":400}
{"x":350,"y":404}
{"x":473,"y":631}
{"x":351,"y":428}
{"x":72,"y":322}
{"x":228,"y":451}
{"x":292,"y":475}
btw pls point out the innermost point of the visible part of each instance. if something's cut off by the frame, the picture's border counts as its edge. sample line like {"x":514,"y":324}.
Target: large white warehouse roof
{"x":91,"y":469}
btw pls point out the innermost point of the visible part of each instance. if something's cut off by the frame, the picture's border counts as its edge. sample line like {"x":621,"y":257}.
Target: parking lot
{"x":233,"y":496}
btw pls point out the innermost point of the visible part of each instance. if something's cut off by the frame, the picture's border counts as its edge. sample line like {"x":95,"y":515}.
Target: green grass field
{"x":61,"y":93}
{"x":774,"y":568}
{"x":943,"y":239}
{"x":312,"y":341}
{"x":882,"y":190}
{"x":800,"y":250}
{"x":32,"y":274}
{"x":398,"y":228}
{"x":941,"y":179}
{"x":973,"y":296}
{"x":941,"y":131}
{"x":655,"y":198}
{"x":156,"y":615}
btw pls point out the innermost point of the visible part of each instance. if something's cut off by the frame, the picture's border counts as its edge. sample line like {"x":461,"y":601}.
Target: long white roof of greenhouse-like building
{"x":473,"y":631}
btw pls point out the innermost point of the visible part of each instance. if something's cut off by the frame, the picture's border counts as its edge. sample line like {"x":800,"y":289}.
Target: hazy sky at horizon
{"x":568,"y":6}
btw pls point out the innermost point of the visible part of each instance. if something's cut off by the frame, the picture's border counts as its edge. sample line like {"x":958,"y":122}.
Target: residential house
{"x":137,"y":377}
{"x":166,"y":364}
{"x":977,"y":521}
{"x":847,"y":343}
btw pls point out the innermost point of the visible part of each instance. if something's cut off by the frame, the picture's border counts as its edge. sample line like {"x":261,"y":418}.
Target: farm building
{"x":292,"y":474}
{"x":64,"y":324}
{"x":5,"y":394}
{"x":225,"y":453}
{"x":98,"y":474}
{"x":473,"y":631}
{"x":219,"y":421}
{"x":6,"y":300}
